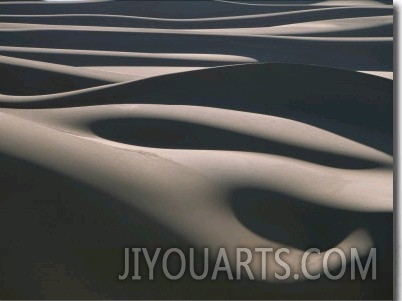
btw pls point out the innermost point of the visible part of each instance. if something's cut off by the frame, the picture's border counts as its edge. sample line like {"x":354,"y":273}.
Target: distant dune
{"x":193,"y":124}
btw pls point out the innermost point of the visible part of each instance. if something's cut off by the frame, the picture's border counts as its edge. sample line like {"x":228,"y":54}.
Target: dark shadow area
{"x":62,"y":238}
{"x":174,"y":134}
{"x":24,"y":80}
{"x":295,"y":222}
{"x":300,"y":224}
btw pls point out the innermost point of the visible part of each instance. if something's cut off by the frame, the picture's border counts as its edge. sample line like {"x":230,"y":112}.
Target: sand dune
{"x":364,"y":53}
{"x":272,"y":19}
{"x":372,"y":26}
{"x":194,"y":124}
{"x":85,"y":57}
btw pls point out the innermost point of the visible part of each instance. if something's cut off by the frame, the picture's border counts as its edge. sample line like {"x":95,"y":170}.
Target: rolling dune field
{"x":194,"y":124}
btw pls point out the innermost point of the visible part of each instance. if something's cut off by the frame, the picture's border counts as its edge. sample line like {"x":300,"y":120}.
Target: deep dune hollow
{"x":174,"y":134}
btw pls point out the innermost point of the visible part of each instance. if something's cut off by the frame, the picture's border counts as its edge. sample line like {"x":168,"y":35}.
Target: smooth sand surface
{"x":194,"y":124}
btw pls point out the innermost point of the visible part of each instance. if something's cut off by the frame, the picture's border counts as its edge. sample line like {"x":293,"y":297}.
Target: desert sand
{"x":193,"y":124}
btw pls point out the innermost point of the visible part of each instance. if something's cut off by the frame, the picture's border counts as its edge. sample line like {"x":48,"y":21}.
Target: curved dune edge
{"x":309,"y":15}
{"x":202,"y":75}
{"x":353,"y":53}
